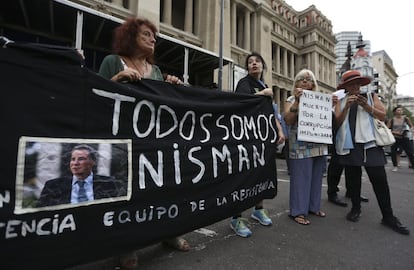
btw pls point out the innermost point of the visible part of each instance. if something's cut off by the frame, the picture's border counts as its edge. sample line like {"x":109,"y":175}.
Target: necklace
{"x":142,"y":72}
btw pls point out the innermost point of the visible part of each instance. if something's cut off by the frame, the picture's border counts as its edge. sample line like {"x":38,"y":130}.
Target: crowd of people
{"x":353,"y":146}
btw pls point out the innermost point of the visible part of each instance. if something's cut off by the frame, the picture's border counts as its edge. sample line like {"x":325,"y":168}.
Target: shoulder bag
{"x":383,"y":135}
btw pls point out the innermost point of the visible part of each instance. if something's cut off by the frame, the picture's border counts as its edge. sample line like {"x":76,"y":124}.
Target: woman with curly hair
{"x":133,"y":60}
{"x":133,"y":54}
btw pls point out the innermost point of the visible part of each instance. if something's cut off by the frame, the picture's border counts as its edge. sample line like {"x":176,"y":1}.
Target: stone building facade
{"x":289,"y":40}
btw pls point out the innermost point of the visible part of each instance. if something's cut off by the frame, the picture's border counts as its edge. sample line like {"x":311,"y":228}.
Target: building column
{"x":233,"y":23}
{"x":277,"y":98}
{"x":246,"y":43}
{"x":324,"y":69}
{"x":148,"y":9}
{"x":196,"y":17}
{"x":188,"y":21}
{"x":239,"y":32}
{"x":277,"y":59}
{"x":103,"y":165}
{"x":292,"y":65}
{"x":167,"y":13}
{"x":117,"y":3}
{"x":48,"y":161}
{"x":284,"y":96}
{"x":285,"y":63}
{"x":316,"y":65}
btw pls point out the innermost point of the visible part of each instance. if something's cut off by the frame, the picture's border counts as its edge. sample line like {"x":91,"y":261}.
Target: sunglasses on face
{"x":305,"y":79}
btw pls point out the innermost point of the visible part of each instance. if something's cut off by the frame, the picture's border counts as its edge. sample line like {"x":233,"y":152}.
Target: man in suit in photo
{"x":84,"y":185}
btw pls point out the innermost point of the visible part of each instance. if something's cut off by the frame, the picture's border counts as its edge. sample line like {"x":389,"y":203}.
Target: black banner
{"x":169,"y":159}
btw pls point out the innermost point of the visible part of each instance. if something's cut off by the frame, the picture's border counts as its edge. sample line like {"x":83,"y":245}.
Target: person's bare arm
{"x":280,"y":133}
{"x":378,"y":110}
{"x":292,"y":109}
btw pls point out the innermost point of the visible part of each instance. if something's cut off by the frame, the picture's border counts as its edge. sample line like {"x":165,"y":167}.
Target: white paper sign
{"x":315,"y":117}
{"x":340,"y":93}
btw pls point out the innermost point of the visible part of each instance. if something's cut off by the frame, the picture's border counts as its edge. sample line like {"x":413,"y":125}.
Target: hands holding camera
{"x":361,"y":100}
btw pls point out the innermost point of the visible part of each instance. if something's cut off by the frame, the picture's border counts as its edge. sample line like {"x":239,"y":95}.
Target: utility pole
{"x":220,"y":71}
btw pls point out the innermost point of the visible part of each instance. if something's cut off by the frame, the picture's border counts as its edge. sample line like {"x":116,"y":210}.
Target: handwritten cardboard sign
{"x":315,"y":117}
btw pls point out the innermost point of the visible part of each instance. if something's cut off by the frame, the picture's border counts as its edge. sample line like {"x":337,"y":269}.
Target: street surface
{"x":327,"y":244}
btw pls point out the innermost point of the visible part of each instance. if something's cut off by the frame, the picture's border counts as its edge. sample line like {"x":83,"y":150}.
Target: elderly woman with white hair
{"x":307,"y":160}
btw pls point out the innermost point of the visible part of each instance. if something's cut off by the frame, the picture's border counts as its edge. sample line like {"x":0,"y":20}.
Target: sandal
{"x":177,"y":243}
{"x":300,"y":219}
{"x":318,"y":213}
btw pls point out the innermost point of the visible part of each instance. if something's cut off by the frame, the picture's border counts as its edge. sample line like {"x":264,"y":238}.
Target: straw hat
{"x":352,"y":76}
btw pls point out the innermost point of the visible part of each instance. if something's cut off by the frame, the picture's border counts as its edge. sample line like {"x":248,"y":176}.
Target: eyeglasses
{"x":305,"y":79}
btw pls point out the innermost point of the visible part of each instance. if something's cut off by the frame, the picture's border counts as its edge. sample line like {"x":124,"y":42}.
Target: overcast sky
{"x":387,"y":24}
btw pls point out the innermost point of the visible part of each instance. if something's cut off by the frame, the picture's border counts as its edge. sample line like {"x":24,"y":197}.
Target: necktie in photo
{"x":82,"y":192}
